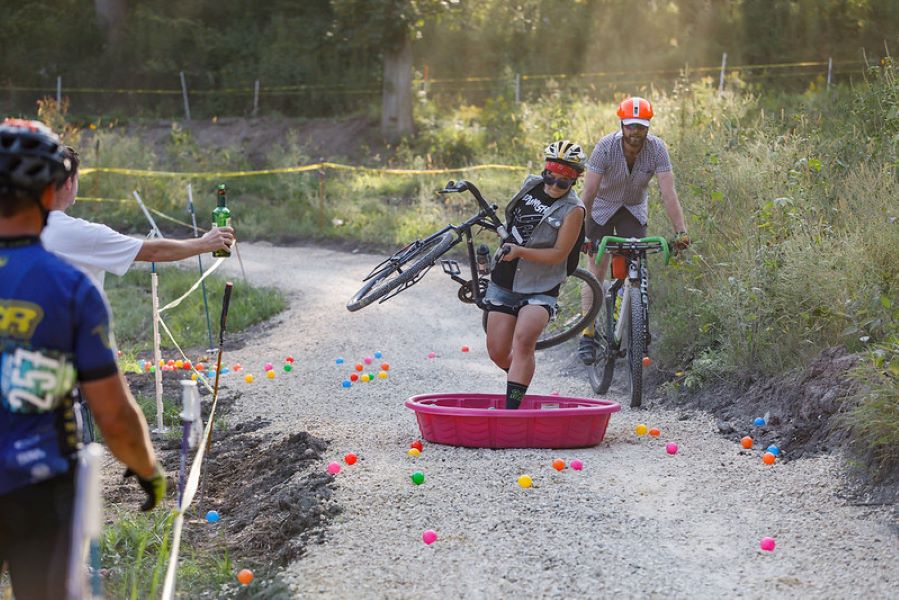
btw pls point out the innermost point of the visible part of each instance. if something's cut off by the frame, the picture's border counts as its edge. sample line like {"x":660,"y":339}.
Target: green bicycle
{"x":623,"y":327}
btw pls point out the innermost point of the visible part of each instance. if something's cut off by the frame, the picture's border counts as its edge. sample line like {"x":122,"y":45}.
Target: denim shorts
{"x":500,"y":299}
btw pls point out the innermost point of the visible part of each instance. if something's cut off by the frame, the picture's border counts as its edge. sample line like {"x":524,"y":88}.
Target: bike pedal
{"x":450,"y":267}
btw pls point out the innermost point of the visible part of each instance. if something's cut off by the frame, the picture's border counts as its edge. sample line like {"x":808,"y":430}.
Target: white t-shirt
{"x":92,"y":247}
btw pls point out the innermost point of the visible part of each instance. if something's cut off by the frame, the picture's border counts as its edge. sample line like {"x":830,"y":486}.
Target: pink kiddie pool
{"x":481,"y":421}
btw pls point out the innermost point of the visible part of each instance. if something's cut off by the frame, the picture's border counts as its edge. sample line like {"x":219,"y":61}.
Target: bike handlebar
{"x":488,"y":209}
{"x":662,"y":245}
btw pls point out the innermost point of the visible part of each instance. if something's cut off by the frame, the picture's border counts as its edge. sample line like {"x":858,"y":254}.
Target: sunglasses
{"x":561,"y":183}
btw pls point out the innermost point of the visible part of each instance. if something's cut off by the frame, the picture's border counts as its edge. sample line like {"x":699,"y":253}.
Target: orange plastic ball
{"x":558,"y":464}
{"x":385,"y":367}
{"x":654,"y":432}
{"x":200,"y":367}
{"x":746,"y":442}
{"x":768,"y":458}
{"x":647,"y":361}
{"x":359,"y":366}
{"x":245,"y":576}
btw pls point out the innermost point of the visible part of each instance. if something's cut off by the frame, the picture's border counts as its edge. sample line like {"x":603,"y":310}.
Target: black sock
{"x":514,"y":394}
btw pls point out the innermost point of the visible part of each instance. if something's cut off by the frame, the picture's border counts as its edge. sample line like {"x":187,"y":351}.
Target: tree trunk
{"x":111,"y":15}
{"x":396,"y":96}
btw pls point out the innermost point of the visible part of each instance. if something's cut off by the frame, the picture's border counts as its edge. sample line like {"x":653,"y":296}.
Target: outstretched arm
{"x":669,"y":199}
{"x":165,"y":250}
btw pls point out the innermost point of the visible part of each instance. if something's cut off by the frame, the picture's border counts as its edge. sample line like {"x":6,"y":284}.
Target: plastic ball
{"x":774,"y":450}
{"x":432,"y":354}
{"x":225,"y":370}
{"x":654,"y":432}
{"x":236,"y":367}
{"x":465,"y":348}
{"x":359,"y":367}
{"x":248,"y":378}
{"x":759,"y":421}
{"x":152,"y":369}
{"x":289,"y":359}
{"x":363,"y":377}
{"x":350,"y":458}
{"x":367,"y":360}
{"x":413,"y":452}
{"x":417,"y":445}
{"x":768,"y":458}
{"x":245,"y":577}
{"x":194,"y":376}
{"x":200,"y":367}
{"x":179,"y":364}
{"x":187,"y":365}
{"x":525,"y":481}
{"x":171,"y":362}
{"x":378,"y":354}
{"x":270,"y":374}
{"x":746,"y":442}
{"x":767,"y":544}
{"x":640,"y":429}
{"x":671,"y":448}
{"x":385,"y":367}
{"x":576,"y":465}
{"x":382,"y":375}
{"x":346,"y":383}
{"x":333,"y":468}
{"x":354,"y":377}
{"x":647,"y":361}
{"x":288,"y":368}
{"x":558,"y":464}
{"x":418,"y":478}
{"x":212,"y":516}
{"x":268,"y":366}
{"x":429,"y":536}
{"x":339,"y":360}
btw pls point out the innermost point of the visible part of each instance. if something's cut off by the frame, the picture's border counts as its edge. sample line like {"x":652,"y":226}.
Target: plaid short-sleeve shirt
{"x":620,"y":186}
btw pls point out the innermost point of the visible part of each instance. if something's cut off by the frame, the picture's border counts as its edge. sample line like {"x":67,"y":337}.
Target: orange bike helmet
{"x":635,"y":110}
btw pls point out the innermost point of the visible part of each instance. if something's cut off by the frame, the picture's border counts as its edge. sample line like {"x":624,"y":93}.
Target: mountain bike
{"x":623,"y":328}
{"x":408,"y":266}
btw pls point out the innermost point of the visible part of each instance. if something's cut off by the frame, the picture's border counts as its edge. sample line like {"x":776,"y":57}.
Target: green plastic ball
{"x":418,"y":478}
{"x":288,"y":368}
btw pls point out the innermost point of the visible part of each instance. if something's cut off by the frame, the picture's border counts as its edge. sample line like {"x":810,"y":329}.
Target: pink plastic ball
{"x":367,"y":360}
{"x":429,"y":536}
{"x":671,"y":448}
{"x":767,"y":544}
{"x":576,"y":465}
{"x":333,"y":468}
{"x":432,"y":354}
{"x":268,"y":366}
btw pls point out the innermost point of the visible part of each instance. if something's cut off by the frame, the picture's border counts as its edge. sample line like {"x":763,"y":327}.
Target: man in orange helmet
{"x":615,"y":192}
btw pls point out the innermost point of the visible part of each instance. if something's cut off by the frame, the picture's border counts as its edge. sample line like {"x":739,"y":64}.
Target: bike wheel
{"x":600,"y":372}
{"x":636,"y":347}
{"x":569,"y":321}
{"x":401,"y":268}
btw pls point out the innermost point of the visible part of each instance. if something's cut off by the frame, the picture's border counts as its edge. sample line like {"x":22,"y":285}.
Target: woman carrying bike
{"x":545,"y":220}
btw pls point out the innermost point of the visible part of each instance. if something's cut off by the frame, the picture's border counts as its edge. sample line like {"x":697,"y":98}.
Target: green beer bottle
{"x":221,"y":217}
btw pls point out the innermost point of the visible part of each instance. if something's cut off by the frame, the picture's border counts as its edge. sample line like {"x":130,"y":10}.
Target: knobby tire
{"x":398,"y":273}
{"x":636,"y":347}
{"x":602,"y":370}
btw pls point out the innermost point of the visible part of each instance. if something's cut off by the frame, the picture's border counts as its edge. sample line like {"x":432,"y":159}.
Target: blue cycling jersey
{"x":54,"y":330}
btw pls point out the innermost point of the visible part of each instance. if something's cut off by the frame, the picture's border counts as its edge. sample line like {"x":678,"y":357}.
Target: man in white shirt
{"x":96,"y":248}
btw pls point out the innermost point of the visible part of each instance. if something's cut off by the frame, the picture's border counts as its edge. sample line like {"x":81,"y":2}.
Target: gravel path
{"x":634,"y":523}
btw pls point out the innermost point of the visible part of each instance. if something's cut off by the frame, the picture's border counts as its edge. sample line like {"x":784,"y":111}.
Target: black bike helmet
{"x":30,"y":157}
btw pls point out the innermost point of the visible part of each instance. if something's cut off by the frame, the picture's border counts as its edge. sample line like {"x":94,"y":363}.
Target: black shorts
{"x":36,"y":536}
{"x":623,"y":224}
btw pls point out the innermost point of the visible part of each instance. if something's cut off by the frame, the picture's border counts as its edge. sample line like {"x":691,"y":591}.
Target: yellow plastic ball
{"x":179,"y":364}
{"x":641,"y":429}
{"x":382,"y":375}
{"x":248,"y":378}
{"x":270,"y":374}
{"x":525,"y":481}
{"x":194,"y":376}
{"x":413,"y":452}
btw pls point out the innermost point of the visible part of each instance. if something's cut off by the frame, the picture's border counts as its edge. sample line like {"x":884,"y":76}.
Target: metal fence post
{"x":721,"y":79}
{"x":517,"y":88}
{"x":256,"y":98}
{"x":58,"y":90}
{"x":829,"y":70}
{"x":184,"y":94}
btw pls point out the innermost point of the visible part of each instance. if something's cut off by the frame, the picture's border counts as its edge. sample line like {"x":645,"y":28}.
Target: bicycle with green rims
{"x":623,"y":327}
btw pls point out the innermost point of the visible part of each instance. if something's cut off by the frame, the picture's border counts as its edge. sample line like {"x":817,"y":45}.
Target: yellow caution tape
{"x":299,"y":169}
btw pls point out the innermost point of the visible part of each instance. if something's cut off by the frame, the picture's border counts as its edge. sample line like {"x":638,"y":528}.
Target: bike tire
{"x":401,"y":271}
{"x":569,"y":321}
{"x":601,"y":371}
{"x":636,"y":347}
